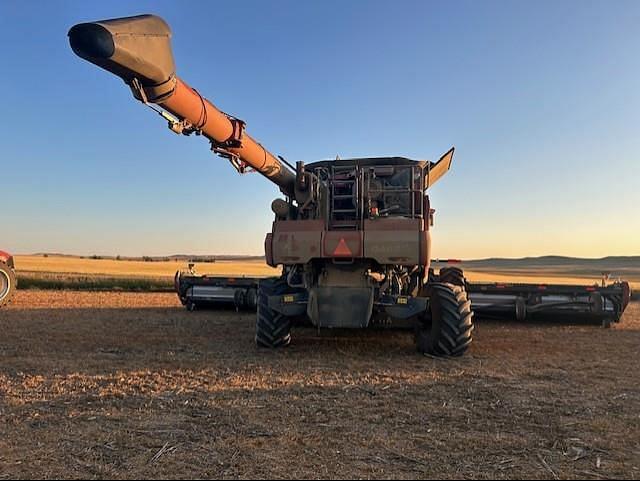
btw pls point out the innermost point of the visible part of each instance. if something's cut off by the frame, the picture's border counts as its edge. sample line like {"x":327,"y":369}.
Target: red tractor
{"x":7,"y":278}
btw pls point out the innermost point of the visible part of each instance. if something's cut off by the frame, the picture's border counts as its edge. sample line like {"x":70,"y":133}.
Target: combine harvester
{"x":352,"y":236}
{"x":8,"y":281}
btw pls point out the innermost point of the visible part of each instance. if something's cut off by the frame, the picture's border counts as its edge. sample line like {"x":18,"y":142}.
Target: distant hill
{"x":549,"y":261}
{"x":175,"y":257}
{"x":612,"y":263}
{"x":205,"y":258}
{"x":224,"y":257}
{"x":627,"y":267}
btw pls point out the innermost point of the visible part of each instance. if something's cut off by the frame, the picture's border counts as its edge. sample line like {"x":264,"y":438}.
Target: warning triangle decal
{"x":343,"y":249}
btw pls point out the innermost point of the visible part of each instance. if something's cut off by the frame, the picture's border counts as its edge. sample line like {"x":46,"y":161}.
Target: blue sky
{"x":541,"y":100}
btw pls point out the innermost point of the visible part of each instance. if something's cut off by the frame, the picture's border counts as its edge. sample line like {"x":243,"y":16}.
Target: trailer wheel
{"x":448,"y":330}
{"x":596,"y":301}
{"x":239,"y":300}
{"x":521,"y":309}
{"x":453,"y":275}
{"x":252,"y":299}
{"x":273,"y":330}
{"x":7,"y":284}
{"x":191,"y":306}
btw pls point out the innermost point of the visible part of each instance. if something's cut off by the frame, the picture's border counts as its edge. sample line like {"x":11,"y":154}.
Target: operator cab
{"x":371,"y":188}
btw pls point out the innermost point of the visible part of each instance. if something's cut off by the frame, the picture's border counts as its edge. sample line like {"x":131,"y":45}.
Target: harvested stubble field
{"x":126,"y":385}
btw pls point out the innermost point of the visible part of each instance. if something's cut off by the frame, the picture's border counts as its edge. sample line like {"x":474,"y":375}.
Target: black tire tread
{"x":273,"y":330}
{"x":450,"y":332}
{"x":452,"y":275}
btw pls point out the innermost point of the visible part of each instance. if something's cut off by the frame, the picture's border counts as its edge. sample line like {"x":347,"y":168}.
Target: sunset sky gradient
{"x":541,"y":100}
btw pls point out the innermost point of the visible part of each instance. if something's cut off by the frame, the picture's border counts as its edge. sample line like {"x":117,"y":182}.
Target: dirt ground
{"x":121,"y":385}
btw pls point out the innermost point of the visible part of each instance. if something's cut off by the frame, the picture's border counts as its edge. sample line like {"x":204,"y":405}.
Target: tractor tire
{"x":273,"y":330}
{"x":7,"y":284}
{"x":448,"y":332}
{"x":453,"y":275}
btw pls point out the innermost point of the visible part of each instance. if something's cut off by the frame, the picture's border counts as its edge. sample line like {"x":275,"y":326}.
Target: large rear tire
{"x":447,"y":332}
{"x":273,"y":330}
{"x":7,"y":284}
{"x":453,"y":275}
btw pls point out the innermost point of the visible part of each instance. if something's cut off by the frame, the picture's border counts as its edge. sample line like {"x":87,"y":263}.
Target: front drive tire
{"x":7,"y":284}
{"x":448,"y":332}
{"x":273,"y":330}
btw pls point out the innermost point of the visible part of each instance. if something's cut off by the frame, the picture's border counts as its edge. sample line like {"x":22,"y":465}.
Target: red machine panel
{"x":296,"y":242}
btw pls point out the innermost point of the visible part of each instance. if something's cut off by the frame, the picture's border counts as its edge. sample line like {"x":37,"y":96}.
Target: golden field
{"x":37,"y":266}
{"x":126,"y":268}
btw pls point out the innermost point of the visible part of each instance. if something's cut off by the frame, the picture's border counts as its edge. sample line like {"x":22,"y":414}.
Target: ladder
{"x":345,"y":198}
